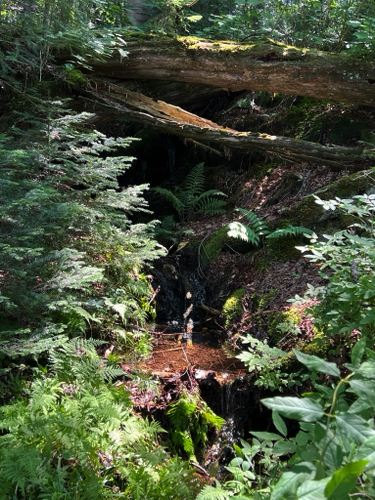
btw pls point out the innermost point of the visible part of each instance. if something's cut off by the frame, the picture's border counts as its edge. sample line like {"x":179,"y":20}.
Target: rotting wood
{"x":271,"y":66}
{"x":174,"y":120}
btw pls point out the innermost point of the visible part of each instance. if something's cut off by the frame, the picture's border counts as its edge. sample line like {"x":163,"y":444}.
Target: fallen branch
{"x":211,"y":310}
{"x":175,"y":120}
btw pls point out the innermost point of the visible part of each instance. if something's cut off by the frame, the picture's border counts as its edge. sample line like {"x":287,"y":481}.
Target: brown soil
{"x":171,"y":355}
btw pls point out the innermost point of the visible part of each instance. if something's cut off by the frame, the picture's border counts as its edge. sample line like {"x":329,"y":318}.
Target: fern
{"x":290,"y":231}
{"x":242,"y":232}
{"x":60,"y":244}
{"x":190,"y":418}
{"x":77,"y":417}
{"x":173,"y":198}
{"x":191,"y":199}
{"x":252,"y":233}
{"x":214,"y":493}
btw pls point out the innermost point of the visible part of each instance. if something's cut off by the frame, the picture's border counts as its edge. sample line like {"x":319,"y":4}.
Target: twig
{"x":200,"y":468}
{"x":303,"y":183}
{"x":187,"y":361}
{"x":154,"y":295}
{"x":211,"y":310}
{"x":204,"y":146}
{"x":226,"y":244}
{"x":358,"y":495}
{"x":188,"y":368}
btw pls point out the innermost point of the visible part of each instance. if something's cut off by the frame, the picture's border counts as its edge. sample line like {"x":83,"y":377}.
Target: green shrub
{"x":331,"y":457}
{"x":347,"y":262}
{"x":71,"y":258}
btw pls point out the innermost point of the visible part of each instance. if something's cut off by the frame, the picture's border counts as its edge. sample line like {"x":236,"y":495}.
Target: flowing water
{"x":230,"y":394}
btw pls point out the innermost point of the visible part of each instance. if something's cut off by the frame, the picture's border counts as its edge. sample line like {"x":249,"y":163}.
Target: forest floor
{"x":261,"y":271}
{"x":232,"y":270}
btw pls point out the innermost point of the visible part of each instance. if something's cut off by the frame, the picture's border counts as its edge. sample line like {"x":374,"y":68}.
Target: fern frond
{"x":171,"y":197}
{"x":21,"y":466}
{"x":209,"y":204}
{"x":180,"y":411}
{"x":257,"y":224}
{"x":209,"y":194}
{"x":289,"y":231}
{"x":213,"y":493}
{"x":242,"y":232}
{"x":194,"y":181}
{"x":213,"y":419}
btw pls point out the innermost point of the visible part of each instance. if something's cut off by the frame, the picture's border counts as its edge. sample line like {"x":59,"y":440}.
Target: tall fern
{"x":190,"y":418}
{"x":71,"y":259}
{"x":191,"y":199}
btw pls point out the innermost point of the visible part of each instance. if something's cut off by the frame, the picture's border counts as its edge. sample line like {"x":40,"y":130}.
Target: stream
{"x":183,"y":343}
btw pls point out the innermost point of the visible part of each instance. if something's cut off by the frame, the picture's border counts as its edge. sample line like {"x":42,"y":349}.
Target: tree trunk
{"x":174,"y":120}
{"x":272,"y":67}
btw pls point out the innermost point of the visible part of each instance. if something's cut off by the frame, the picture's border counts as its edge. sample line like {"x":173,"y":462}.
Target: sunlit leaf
{"x":344,"y":480}
{"x":296,"y":408}
{"x":353,"y":427}
{"x":317,"y":364}
{"x":312,"y":490}
{"x":279,"y":423}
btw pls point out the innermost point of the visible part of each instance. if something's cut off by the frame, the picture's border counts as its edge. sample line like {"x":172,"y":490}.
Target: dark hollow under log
{"x":176,"y":121}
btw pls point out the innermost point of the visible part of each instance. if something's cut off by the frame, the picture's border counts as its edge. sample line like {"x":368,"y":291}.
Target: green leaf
{"x":301,"y":438}
{"x":358,"y":351}
{"x":283,"y":447}
{"x":369,"y":318}
{"x":312,"y":490}
{"x":299,"y":409}
{"x":317,"y":364}
{"x":333,"y":455}
{"x":279,"y":423}
{"x":265,"y":436}
{"x":367,"y":452}
{"x":344,"y":480}
{"x":353,"y":427}
{"x":367,"y":370}
{"x":365,"y":389}
{"x":287,"y":485}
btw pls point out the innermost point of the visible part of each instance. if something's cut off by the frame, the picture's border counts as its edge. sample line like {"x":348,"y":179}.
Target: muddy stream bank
{"x":188,"y":354}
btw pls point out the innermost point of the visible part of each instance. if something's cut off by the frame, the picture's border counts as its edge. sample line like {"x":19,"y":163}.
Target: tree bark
{"x":174,"y":120}
{"x":272,"y":67}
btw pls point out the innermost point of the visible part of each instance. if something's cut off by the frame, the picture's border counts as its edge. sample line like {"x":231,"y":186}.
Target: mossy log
{"x":272,"y":66}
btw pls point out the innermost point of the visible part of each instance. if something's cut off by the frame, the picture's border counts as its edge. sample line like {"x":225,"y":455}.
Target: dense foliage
{"x":71,"y":257}
{"x":323,"y":24}
{"x":74,"y":262}
{"x":72,"y":434}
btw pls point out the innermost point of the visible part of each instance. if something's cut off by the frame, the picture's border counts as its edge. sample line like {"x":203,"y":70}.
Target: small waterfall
{"x":236,"y":400}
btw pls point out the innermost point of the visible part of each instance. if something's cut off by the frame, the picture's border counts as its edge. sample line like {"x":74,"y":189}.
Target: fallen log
{"x":174,"y":120}
{"x":271,"y":66}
